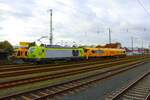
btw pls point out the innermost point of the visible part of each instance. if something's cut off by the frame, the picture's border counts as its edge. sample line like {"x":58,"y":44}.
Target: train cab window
{"x":99,"y":51}
{"x":31,"y":50}
{"x":18,"y":53}
{"x":85,"y":50}
{"x":93,"y":51}
{"x":75,"y":52}
{"x":26,"y":53}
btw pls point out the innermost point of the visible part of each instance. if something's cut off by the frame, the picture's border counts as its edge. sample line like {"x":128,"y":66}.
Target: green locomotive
{"x":45,"y":53}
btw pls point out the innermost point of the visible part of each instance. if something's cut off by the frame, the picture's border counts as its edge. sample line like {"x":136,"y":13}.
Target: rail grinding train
{"x":49,"y":53}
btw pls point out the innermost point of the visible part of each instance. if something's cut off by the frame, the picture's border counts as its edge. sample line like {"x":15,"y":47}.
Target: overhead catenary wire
{"x":143,"y":7}
{"x":104,"y":29}
{"x":141,"y":4}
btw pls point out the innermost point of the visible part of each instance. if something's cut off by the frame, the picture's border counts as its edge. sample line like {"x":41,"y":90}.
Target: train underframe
{"x":50,"y":60}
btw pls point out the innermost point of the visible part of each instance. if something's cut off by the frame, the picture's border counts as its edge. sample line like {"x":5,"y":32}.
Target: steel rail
{"x":47,"y":69}
{"x":56,"y":91}
{"x":56,"y":74}
{"x":107,"y":74}
{"x":21,"y":66}
{"x":133,"y":84}
{"x":54,"y":62}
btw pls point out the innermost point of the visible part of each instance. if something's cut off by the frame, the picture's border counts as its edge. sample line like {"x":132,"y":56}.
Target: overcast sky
{"x":80,"y":21}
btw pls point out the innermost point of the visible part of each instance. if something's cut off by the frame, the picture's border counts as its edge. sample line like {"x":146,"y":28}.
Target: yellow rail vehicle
{"x":22,"y":53}
{"x":104,"y":52}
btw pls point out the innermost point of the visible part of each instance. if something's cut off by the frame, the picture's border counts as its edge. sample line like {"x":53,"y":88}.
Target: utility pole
{"x":142,"y":47}
{"x":142,"y":44}
{"x":109,"y":36}
{"x":149,"y":48}
{"x":51,"y":29}
{"x":132,"y":43}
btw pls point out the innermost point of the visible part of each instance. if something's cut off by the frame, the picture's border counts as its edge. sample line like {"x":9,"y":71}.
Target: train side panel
{"x":104,"y":52}
{"x":42,"y":53}
{"x":60,"y":53}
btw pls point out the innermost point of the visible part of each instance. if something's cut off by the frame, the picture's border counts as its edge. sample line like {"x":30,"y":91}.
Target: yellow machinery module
{"x":21,"y":52}
{"x":104,"y":52}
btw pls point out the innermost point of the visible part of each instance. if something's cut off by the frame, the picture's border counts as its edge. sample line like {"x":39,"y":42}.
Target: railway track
{"x":59,"y":62}
{"x":22,"y":69}
{"x":47,"y":68}
{"x":53,"y":73}
{"x":139,"y":89}
{"x":91,"y":77}
{"x":30,"y":66}
{"x":7,"y":67}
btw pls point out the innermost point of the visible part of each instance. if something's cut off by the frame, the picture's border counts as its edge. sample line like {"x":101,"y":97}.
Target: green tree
{"x":6,"y":46}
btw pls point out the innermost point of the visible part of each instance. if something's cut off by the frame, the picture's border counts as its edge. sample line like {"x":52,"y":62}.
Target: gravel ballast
{"x":104,"y":87}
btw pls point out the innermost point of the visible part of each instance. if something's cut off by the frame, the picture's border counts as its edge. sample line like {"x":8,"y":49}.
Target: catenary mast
{"x":51,"y":29}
